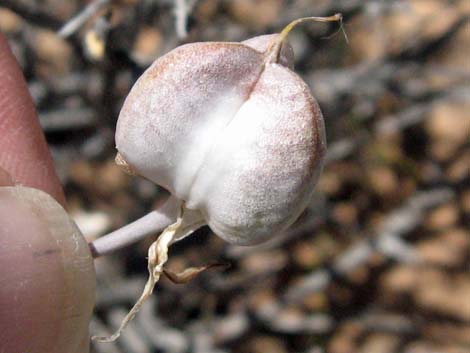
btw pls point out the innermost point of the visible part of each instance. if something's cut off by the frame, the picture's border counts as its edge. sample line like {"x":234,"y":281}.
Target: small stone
{"x":459,"y":170}
{"x":316,"y":302}
{"x":443,"y":217}
{"x":465,"y":201}
{"x":449,"y":127}
{"x":345,"y":338}
{"x":111,"y":178}
{"x":206,"y":10}
{"x":451,"y":55}
{"x":439,"y":252}
{"x":432,"y":347}
{"x":366,"y":38}
{"x":9,"y":21}
{"x":329,"y":183}
{"x":399,"y":279}
{"x":310,"y":253}
{"x":266,"y":261}
{"x":256,"y":14}
{"x":380,"y":343}
{"x":382,"y":180}
{"x":359,"y":276}
{"x":345,"y":213}
{"x":263,"y":344}
{"x":450,"y":121}
{"x":306,"y":255}
{"x":440,"y":293}
{"x":54,"y":52}
{"x":147,"y":46}
{"x":94,"y":45}
{"x":448,"y":332}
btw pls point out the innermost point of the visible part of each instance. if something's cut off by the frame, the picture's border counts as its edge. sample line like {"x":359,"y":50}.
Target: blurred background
{"x":379,"y":261}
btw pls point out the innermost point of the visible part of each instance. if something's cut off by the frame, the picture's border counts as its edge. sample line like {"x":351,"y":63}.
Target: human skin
{"x":46,"y":285}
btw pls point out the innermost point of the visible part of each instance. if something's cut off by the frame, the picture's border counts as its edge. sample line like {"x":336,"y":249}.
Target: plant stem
{"x":152,"y":223}
{"x":274,"y":50}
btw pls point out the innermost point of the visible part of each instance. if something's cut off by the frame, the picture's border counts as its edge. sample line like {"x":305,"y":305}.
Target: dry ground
{"x":377,"y":264}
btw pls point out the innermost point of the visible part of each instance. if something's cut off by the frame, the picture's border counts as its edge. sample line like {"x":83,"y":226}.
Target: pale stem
{"x":150,"y":224}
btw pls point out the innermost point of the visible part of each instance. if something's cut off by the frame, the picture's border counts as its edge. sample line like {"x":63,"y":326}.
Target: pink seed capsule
{"x":232,"y":132}
{"x":229,"y":129}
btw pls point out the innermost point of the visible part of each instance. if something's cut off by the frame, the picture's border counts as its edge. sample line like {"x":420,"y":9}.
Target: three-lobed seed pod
{"x":229,"y":129}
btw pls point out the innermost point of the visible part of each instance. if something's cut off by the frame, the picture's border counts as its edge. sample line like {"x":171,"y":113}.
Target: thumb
{"x":47,"y":279}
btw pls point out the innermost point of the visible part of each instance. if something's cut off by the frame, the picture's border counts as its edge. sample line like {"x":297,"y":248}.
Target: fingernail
{"x":46,"y":272}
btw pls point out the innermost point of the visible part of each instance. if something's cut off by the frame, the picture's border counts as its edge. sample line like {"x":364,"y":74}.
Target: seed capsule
{"x":232,"y":132}
{"x":229,"y":129}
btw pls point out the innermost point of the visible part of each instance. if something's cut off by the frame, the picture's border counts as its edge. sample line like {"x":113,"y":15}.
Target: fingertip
{"x":47,"y":274}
